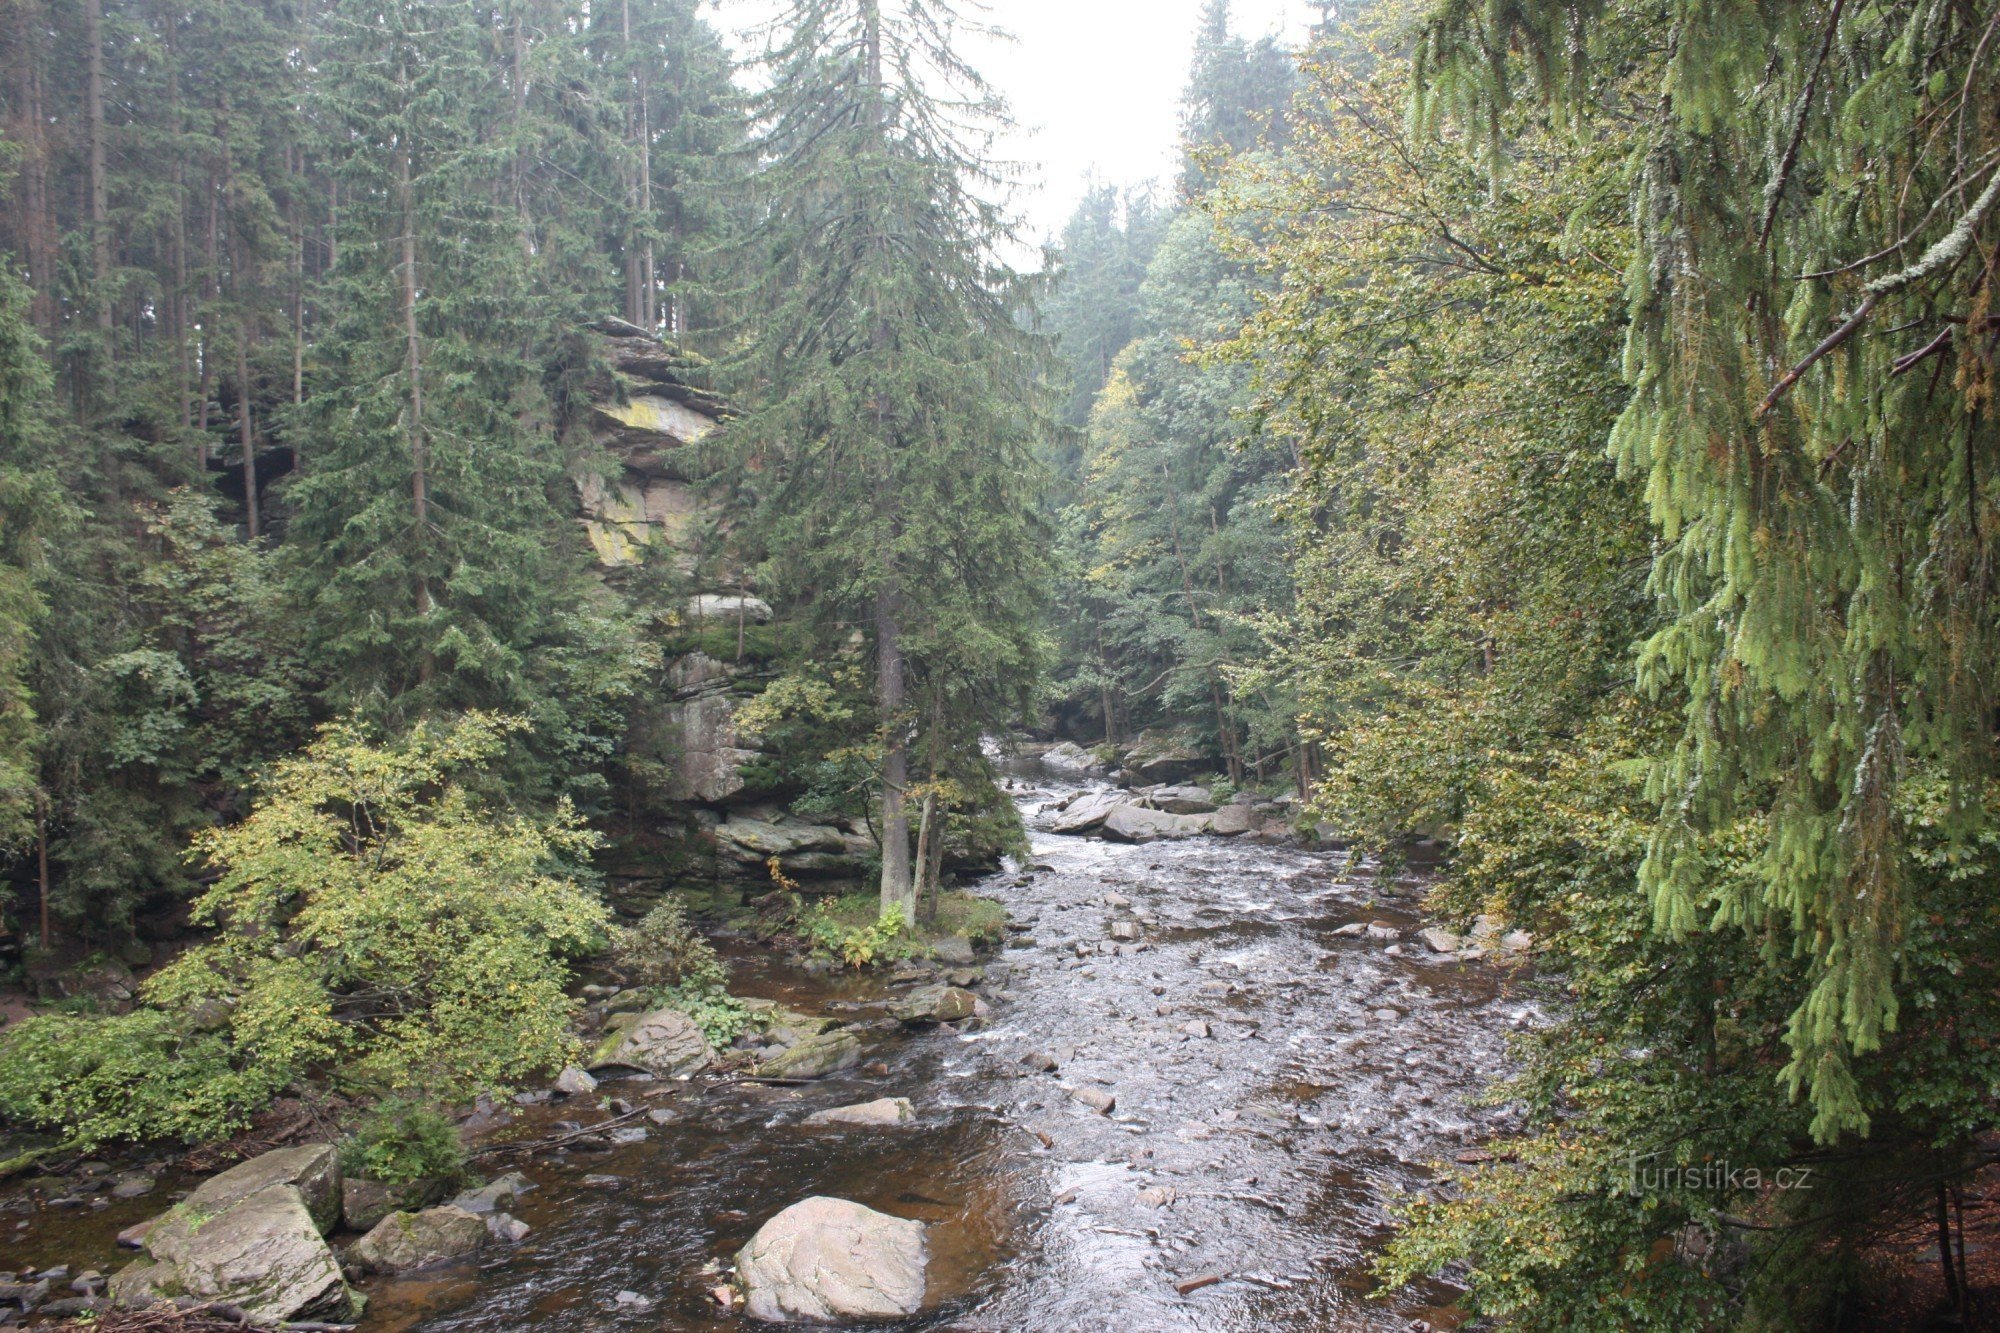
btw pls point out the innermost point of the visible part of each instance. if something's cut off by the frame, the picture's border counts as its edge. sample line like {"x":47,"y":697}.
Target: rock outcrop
{"x":829,"y":1260}
{"x":650,"y":419}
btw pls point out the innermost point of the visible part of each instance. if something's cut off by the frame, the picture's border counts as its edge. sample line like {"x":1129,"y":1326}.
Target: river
{"x":1334,"y":1072}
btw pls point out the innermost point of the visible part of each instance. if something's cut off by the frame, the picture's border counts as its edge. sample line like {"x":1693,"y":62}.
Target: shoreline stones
{"x":826,"y":1260}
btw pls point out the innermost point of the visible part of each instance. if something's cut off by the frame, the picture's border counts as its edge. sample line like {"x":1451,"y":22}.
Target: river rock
{"x":1071,"y":757}
{"x":953,"y":951}
{"x":814,"y":1057}
{"x":665,"y":1042}
{"x":1382,"y":930}
{"x":881,"y":1111}
{"x":1166,"y":756}
{"x":506,"y":1228}
{"x":1135,"y":823}
{"x":261,"y":1252}
{"x":1097,"y":1099}
{"x":1232,"y":821}
{"x":573,"y":1082}
{"x":494,"y":1194}
{"x":1439,"y":940}
{"x":1182,"y":800}
{"x":402,"y":1242}
{"x":365,"y":1202}
{"x":1087,"y":812}
{"x":313,"y":1170}
{"x":935,"y":1004}
{"x":826,"y":1260}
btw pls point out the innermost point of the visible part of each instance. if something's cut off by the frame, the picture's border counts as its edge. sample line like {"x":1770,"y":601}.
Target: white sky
{"x":1095,"y":85}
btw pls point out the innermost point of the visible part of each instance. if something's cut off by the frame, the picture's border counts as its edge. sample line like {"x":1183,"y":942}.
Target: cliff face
{"x":663,"y":503}
{"x":648,"y":418}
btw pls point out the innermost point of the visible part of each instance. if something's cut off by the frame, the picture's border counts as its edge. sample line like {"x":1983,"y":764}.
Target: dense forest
{"x":502,"y":496}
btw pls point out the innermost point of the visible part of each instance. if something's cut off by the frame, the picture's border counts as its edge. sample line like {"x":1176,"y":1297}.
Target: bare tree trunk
{"x":247,"y":434}
{"x":420,"y":503}
{"x":100,"y":213}
{"x":520,"y":79}
{"x":31,"y":126}
{"x":177,"y":234}
{"x":897,"y":889}
{"x":42,"y":858}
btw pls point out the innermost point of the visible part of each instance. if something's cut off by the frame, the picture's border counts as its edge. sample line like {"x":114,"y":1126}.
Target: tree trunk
{"x":100,"y":219}
{"x":897,"y":890}
{"x":420,"y":504}
{"x":42,"y":858}
{"x":247,"y":434}
{"x":36,"y":225}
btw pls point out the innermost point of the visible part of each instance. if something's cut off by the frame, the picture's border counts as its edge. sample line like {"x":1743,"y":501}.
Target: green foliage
{"x":856,"y":931}
{"x":401,"y":1142}
{"x":892,"y":388}
{"x":378,"y":918}
{"x":721,"y":1017}
{"x":1808,"y":446}
{"x":143,"y":1075}
{"x":665,"y":950}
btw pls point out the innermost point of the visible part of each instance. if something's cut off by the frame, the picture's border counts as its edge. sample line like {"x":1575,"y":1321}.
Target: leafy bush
{"x":841,"y":929}
{"x":401,"y":1142}
{"x":130,"y":1076}
{"x":665,"y":950}
{"x":377,"y":919}
{"x":721,"y":1017}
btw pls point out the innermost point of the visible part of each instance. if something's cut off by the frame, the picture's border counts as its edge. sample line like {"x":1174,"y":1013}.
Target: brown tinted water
{"x":1335,"y":1073}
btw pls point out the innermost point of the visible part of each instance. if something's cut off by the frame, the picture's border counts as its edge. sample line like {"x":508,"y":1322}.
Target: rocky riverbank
{"x":1181,"y":1094}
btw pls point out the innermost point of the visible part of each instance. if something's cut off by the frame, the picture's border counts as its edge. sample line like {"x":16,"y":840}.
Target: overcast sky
{"x":1096,"y":86}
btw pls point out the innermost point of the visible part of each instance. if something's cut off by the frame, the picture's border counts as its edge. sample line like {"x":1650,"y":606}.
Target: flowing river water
{"x":1264,"y":1153}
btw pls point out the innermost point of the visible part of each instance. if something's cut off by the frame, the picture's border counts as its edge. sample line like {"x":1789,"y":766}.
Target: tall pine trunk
{"x":420,"y":484}
{"x":898,"y":889}
{"x":100,"y":220}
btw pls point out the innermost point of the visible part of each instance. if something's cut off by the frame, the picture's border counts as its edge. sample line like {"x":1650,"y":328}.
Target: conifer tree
{"x":1812,"y":358}
{"x":896,"y":396}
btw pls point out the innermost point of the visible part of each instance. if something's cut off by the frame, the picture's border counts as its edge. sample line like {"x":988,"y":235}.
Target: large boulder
{"x":1135,"y":823}
{"x":1087,"y":812}
{"x":813,"y":1057}
{"x":313,"y":1170}
{"x":1166,"y":756}
{"x":1181,"y":800}
{"x":262,"y":1253}
{"x":665,"y":1042}
{"x":1072,"y":757}
{"x":1232,"y":821}
{"x":827,"y":1260}
{"x":402,"y":1242}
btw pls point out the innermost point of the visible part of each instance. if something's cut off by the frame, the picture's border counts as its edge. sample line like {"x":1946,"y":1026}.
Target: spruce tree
{"x":1811,"y":360}
{"x":895,"y":394}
